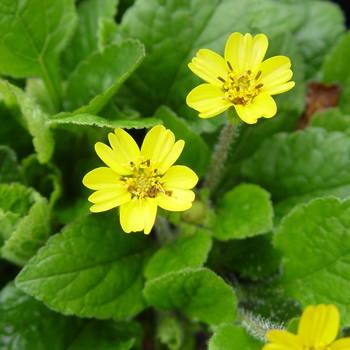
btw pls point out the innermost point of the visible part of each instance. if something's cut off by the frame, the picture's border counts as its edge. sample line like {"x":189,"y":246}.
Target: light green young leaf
{"x":85,"y":38}
{"x":199,"y":293}
{"x":18,"y":310}
{"x":174,"y":31}
{"x":297,"y":167}
{"x":30,"y":234}
{"x":196,"y":153}
{"x":34,"y":119}
{"x":89,"y":119}
{"x":91,"y":269}
{"x":32,"y":34}
{"x":183,"y":252}
{"x":9,"y":168}
{"x":97,"y":78}
{"x":322,"y":26}
{"x":228,"y":337}
{"x":245,"y":211}
{"x":315,"y":241}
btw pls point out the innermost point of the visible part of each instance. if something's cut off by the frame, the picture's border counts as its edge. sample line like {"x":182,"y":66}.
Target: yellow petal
{"x":208,"y":65}
{"x":102,"y":178}
{"x":138,"y":215}
{"x":283,"y":340}
{"x":278,"y":89}
{"x":110,"y":158}
{"x":208,"y":100}
{"x":158,"y":143}
{"x":319,"y":326}
{"x":124,"y":146}
{"x":180,"y":176}
{"x":172,"y":156}
{"x":341,"y":344}
{"x":179,"y":199}
{"x":263,"y":105}
{"x":275,"y":71}
{"x":244,"y":52}
{"x":108,"y":199}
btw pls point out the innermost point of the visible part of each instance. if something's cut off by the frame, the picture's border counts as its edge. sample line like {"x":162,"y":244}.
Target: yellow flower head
{"x":140,"y":180}
{"x":241,"y":79}
{"x":317,"y":330}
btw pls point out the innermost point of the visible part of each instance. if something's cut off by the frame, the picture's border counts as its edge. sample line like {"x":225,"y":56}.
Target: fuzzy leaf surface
{"x":91,"y":269}
{"x":227,"y":337}
{"x":315,"y":241}
{"x":199,"y":293}
{"x":183,"y":252}
{"x":245,"y":211}
{"x":300,"y":166}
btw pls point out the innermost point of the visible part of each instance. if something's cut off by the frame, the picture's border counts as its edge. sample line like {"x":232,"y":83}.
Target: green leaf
{"x":13,"y":133}
{"x":27,"y":324}
{"x":101,"y":75}
{"x":109,"y":335}
{"x":174,"y":31}
{"x":199,"y":293}
{"x":183,"y":252}
{"x":245,"y":211}
{"x":228,"y":337}
{"x":332,"y":119}
{"x":336,"y":66}
{"x":35,"y":119}
{"x":297,"y":167}
{"x":9,"y":168}
{"x":32,"y":34}
{"x":88,"y":119}
{"x":84,"y":40}
{"x":45,"y":178}
{"x":323,"y":24}
{"x":196,"y":153}
{"x":30,"y":234}
{"x":24,"y":221}
{"x":18,"y":310}
{"x":242,"y":257}
{"x":314,"y":239}
{"x":91,"y":269}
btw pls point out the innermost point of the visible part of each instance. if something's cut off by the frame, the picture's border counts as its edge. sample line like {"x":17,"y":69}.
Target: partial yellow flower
{"x":317,"y":330}
{"x":241,"y":79}
{"x":141,"y":180}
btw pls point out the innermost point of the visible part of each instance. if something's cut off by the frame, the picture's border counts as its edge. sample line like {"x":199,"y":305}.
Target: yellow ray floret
{"x":240,"y":79}
{"x":317,"y":330}
{"x":141,"y":180}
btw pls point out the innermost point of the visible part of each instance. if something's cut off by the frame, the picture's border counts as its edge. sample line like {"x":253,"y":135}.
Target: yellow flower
{"x":317,"y":330}
{"x":140,"y":180}
{"x":242,"y":79}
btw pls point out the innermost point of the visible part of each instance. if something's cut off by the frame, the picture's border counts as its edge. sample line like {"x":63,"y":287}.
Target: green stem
{"x":220,"y":154}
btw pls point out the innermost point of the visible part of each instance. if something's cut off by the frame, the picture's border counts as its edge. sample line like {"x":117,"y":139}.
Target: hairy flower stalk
{"x":240,"y":79}
{"x":220,"y":155}
{"x":141,"y":180}
{"x":318,"y":329}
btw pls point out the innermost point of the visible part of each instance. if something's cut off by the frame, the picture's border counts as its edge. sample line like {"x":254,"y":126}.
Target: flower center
{"x":145,"y":181}
{"x":240,"y":89}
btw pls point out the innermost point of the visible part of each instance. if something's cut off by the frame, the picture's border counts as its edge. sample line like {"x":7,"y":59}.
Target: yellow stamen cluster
{"x":240,"y":89}
{"x":145,"y":181}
